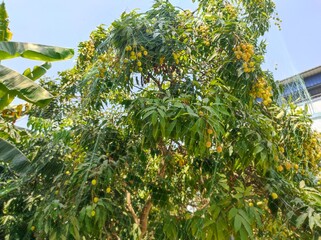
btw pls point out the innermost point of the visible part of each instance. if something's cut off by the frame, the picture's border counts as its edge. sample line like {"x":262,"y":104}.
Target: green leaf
{"x":244,"y":215}
{"x":191,"y":112}
{"x":311,"y":222}
{"x":6,"y":190}
{"x":311,"y":218}
{"x":32,"y":51}
{"x":247,"y":225}
{"x":155,"y":131}
{"x":258,"y":149}
{"x":237,"y":223}
{"x":243,"y":234}
{"x":170,"y":128}
{"x":75,"y":228}
{"x":280,"y":115}
{"x":232,"y":213}
{"x":154,"y":118}
{"x":147,"y":114}
{"x":221,"y":229}
{"x":15,"y":83}
{"x":6,"y":99}
{"x":16,"y":159}
{"x":300,"y":220}
{"x":170,"y":230}
{"x":37,"y":72}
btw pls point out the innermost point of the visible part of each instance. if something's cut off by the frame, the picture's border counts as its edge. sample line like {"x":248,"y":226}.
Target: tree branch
{"x":130,"y":208}
{"x":144,"y":215}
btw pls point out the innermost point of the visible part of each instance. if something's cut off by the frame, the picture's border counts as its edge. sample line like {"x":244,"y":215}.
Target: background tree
{"x":168,"y":128}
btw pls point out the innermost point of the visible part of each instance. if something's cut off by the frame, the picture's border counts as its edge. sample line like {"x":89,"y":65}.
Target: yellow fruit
{"x":67,"y":172}
{"x":93,"y":213}
{"x":209,"y":131}
{"x":128,"y":48}
{"x":139,"y":55}
{"x":56,"y":192}
{"x":132,"y":53}
{"x":201,"y":113}
{"x":96,"y":199}
{"x":32,"y":228}
{"x":125,"y":60}
{"x":288,"y":166}
{"x":207,"y":43}
{"x":219,"y":149}
{"x":259,"y":203}
{"x":208,"y":144}
{"x":181,"y":162}
{"x":139,"y":63}
{"x":280,"y":168}
{"x":108,"y":190}
{"x":281,"y":149}
{"x":250,"y":204}
{"x":145,"y":53}
{"x":274,"y":195}
{"x":161,"y":60}
{"x":93,"y":182}
{"x":133,"y":57}
{"x":296,"y":166}
{"x":140,"y":69}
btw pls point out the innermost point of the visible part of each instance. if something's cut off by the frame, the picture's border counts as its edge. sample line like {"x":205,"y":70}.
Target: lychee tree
{"x":168,"y":128}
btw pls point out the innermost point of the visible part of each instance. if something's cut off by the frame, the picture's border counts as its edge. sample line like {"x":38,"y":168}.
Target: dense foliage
{"x":168,"y":128}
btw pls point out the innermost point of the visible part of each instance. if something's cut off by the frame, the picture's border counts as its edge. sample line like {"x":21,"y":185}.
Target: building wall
{"x":312,"y":82}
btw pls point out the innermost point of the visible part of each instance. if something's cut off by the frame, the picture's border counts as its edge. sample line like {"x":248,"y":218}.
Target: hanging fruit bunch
{"x":261,"y":90}
{"x":245,"y":52}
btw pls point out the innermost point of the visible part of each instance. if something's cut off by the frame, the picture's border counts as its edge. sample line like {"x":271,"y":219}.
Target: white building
{"x":305,"y":89}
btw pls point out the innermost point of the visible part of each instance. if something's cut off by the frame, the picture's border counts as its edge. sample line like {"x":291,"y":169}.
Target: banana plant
{"x":14,"y":84}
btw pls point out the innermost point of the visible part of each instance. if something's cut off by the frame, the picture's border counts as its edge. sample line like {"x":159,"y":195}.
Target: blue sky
{"x":294,"y":49}
{"x":297,"y":47}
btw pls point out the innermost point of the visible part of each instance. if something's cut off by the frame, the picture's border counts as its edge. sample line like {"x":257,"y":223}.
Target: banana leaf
{"x":37,"y":72}
{"x":33,"y":51}
{"x":13,"y":83}
{"x":16,"y":160}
